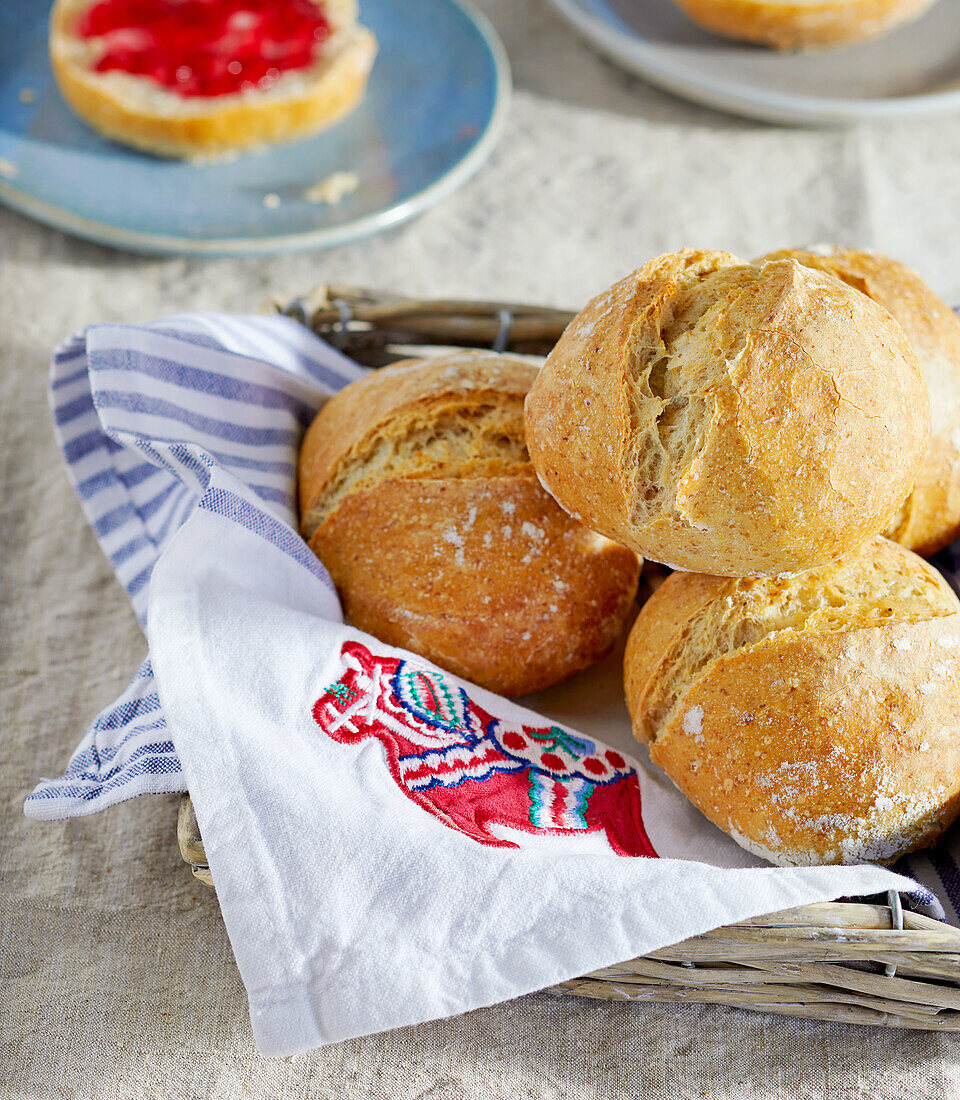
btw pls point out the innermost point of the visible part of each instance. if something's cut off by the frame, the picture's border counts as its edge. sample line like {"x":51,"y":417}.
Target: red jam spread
{"x":206,"y":47}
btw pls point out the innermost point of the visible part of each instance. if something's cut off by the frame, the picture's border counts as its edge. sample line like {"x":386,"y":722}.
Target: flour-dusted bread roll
{"x":730,"y":418}
{"x":803,"y":24}
{"x":930,"y":517}
{"x":199,"y":78}
{"x":417,"y":494}
{"x":816,"y":718}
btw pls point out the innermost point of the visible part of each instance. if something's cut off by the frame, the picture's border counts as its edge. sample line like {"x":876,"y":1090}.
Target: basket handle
{"x":376,"y":327}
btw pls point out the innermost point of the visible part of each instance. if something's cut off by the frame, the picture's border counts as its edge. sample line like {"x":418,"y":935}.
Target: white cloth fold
{"x":350,"y":908}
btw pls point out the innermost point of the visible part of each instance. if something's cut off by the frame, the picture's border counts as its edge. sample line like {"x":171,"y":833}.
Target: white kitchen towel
{"x":389,"y":844}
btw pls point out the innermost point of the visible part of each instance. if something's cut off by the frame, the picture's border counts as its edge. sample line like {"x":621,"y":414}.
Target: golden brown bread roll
{"x":730,"y":418}
{"x":803,"y":24}
{"x":417,"y":494}
{"x":929,"y":519}
{"x":815,"y":718}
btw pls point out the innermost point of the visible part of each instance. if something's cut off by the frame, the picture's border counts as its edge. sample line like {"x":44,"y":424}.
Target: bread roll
{"x":803,"y":24}
{"x":132,"y":104}
{"x":730,"y":418}
{"x":417,"y":494}
{"x":816,"y":718}
{"x":929,"y":519}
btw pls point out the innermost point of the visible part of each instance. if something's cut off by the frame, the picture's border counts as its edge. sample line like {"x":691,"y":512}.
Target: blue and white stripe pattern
{"x":194,"y":411}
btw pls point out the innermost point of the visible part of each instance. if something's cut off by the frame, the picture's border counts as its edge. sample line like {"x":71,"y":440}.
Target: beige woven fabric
{"x":116,"y":977}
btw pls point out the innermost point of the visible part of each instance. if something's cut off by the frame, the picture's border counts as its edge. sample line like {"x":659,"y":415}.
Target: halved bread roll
{"x":138,"y":102}
{"x":803,"y":24}
{"x":730,"y":418}
{"x":815,"y":719}
{"x":417,"y":494}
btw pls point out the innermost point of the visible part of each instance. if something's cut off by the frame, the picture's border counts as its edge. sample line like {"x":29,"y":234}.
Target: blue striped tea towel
{"x":389,"y":844}
{"x":143,"y":416}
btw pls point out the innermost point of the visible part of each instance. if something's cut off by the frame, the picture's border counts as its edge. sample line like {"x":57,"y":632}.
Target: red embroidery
{"x":470,"y":769}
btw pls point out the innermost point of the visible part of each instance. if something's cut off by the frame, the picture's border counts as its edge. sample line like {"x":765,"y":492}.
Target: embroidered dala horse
{"x":472,"y":770}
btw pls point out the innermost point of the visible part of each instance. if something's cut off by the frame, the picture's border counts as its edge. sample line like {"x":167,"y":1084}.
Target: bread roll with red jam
{"x":200,"y":78}
{"x":731,"y":418}
{"x":929,"y":519}
{"x":816,"y":718}
{"x":417,"y":494}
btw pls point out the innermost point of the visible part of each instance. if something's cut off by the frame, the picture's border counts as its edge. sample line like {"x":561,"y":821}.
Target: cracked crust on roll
{"x":812,"y":718}
{"x":803,"y":24}
{"x":929,"y":519}
{"x":417,"y":494}
{"x":730,"y":418}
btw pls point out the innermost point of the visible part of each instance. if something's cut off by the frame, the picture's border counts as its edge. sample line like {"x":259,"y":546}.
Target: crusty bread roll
{"x":417,"y":494}
{"x":730,"y":418}
{"x":816,"y":719}
{"x":141,"y":111}
{"x":803,"y":24}
{"x":929,"y":519}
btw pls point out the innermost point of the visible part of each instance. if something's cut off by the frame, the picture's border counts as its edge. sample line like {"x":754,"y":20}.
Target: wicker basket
{"x":850,"y":962}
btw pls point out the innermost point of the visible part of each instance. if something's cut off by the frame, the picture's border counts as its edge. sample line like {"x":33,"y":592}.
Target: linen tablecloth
{"x":115,"y":973}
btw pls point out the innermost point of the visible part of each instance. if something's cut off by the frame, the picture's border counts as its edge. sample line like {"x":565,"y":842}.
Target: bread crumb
{"x":332,"y":189}
{"x":27,"y":95}
{"x":508,"y":507}
{"x":271,"y":200}
{"x":902,"y":644}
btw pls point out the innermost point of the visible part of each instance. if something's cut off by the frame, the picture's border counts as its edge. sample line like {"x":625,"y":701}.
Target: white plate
{"x":910,"y":72}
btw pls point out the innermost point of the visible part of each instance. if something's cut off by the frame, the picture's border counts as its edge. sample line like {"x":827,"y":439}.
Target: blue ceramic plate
{"x":434,"y":109}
